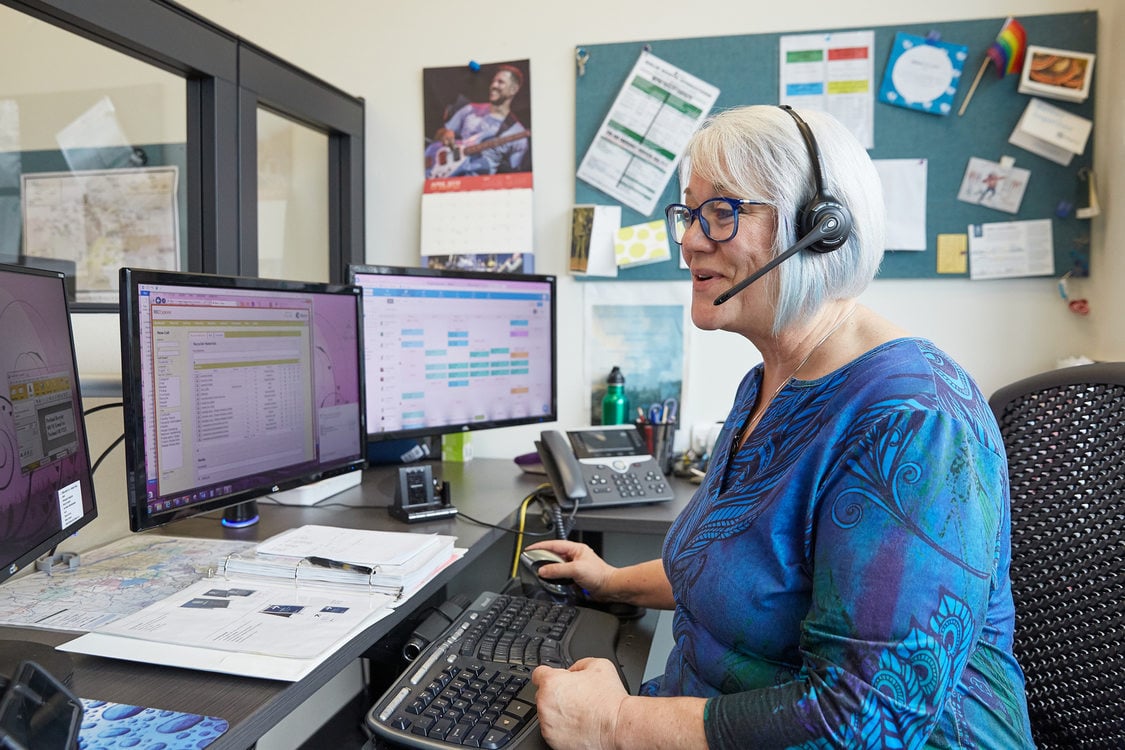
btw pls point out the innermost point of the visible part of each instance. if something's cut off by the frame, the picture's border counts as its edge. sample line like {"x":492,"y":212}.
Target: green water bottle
{"x":615,"y":404}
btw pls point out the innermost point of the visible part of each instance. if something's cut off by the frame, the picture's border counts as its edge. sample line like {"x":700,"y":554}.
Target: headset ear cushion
{"x":826,"y":209}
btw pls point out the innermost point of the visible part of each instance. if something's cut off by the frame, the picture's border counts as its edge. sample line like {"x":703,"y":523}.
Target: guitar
{"x":445,"y":161}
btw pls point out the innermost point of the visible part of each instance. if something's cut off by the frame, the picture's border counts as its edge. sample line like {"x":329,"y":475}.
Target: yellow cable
{"x":519,"y":536}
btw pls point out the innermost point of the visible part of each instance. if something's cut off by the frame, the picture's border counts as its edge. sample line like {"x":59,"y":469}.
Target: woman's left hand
{"x":578,"y":707}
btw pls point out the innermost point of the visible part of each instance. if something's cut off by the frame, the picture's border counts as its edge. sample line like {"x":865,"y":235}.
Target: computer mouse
{"x":532,"y":560}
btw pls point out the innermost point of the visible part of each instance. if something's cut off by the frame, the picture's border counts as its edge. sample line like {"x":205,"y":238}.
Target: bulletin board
{"x":745,"y":69}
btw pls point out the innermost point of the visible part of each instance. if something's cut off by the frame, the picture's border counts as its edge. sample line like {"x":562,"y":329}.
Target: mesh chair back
{"x":1064,"y":433}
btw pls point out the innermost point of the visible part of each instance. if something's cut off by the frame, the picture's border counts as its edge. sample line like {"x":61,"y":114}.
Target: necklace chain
{"x":749,"y":426}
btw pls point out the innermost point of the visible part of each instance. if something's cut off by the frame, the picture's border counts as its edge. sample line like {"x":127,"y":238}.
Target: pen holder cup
{"x":661,"y":437}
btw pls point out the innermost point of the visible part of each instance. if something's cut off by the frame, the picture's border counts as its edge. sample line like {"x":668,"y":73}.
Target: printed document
{"x":833,"y":73}
{"x":257,"y":629}
{"x":641,"y":140}
{"x":1011,"y":248}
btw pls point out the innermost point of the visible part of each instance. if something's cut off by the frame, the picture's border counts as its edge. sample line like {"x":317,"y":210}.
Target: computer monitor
{"x":234,"y":388}
{"x":46,"y":487}
{"x":449,"y":351}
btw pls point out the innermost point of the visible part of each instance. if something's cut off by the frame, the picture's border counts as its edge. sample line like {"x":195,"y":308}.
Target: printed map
{"x":112,"y":581}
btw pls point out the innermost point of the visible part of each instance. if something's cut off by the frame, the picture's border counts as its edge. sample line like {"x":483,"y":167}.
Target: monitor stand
{"x":13,"y":653}
{"x":241,"y":515}
{"x":311,"y":494}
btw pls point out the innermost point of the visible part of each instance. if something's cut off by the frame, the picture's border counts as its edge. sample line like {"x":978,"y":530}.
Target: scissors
{"x":668,"y":410}
{"x":663,"y":413}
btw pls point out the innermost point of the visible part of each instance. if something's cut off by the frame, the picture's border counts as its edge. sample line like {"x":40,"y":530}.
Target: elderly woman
{"x":840,"y":579}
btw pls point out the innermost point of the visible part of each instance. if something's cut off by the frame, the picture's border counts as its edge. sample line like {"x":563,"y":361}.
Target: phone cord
{"x":560,"y":525}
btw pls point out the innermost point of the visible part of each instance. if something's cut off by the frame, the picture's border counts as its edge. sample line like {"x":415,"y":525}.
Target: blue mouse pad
{"x":109,"y":726}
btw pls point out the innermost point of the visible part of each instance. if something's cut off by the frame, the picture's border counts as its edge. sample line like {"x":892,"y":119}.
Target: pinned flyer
{"x":1051,"y":132}
{"x":994,"y":185}
{"x":642,"y":138}
{"x":641,"y":244}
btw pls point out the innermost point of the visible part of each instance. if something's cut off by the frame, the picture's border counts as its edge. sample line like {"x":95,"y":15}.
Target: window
{"x":124,"y":128}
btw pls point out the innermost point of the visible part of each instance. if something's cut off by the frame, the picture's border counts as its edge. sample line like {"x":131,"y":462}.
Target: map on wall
{"x":101,"y":220}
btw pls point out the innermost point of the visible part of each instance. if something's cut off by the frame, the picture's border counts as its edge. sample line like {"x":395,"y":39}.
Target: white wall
{"x":377,"y":50}
{"x":999,"y":330}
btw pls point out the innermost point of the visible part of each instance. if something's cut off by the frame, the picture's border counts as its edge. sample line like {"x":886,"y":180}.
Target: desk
{"x":486,"y":489}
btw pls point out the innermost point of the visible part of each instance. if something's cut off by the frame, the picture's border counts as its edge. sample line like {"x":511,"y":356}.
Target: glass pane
{"x":292,"y":200}
{"x":93,"y":165}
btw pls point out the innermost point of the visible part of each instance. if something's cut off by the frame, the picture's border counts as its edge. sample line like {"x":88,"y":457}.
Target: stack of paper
{"x":389,"y":561}
{"x":281,"y":609}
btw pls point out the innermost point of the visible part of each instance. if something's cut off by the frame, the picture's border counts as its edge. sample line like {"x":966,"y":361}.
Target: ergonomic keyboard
{"x":472,"y":686}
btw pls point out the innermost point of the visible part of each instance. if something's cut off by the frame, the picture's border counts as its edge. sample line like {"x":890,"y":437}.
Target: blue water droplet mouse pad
{"x":108,"y":726}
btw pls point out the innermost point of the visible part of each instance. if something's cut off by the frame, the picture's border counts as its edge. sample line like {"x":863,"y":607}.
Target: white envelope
{"x":1051,"y":132}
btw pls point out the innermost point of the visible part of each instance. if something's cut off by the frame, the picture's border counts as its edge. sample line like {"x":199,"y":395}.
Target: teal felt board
{"x":746,"y":67}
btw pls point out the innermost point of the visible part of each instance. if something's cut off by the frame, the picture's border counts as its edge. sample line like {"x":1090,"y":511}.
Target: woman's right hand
{"x":588,"y":571}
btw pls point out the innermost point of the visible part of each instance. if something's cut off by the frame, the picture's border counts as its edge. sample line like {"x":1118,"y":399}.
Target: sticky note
{"x":952,"y":253}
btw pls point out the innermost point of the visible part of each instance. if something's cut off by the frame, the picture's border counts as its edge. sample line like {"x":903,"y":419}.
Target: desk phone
{"x":600,"y":467}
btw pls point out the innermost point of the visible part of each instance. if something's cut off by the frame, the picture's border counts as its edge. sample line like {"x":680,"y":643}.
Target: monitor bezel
{"x":448,"y":273}
{"x":140,"y":519}
{"x":37,"y":550}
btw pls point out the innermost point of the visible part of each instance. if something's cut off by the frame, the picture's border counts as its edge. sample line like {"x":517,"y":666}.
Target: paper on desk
{"x":251,"y":628}
{"x":400,"y":585}
{"x":367,"y":547}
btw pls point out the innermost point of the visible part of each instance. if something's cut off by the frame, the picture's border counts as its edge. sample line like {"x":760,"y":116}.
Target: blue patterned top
{"x":842,"y":580}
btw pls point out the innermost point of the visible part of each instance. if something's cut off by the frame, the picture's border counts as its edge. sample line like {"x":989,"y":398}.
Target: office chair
{"x":1064,"y":434}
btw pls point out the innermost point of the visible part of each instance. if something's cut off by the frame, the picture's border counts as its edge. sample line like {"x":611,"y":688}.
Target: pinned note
{"x":641,"y":244}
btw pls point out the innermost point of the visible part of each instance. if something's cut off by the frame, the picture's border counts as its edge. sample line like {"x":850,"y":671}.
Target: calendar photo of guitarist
{"x":478,"y":132}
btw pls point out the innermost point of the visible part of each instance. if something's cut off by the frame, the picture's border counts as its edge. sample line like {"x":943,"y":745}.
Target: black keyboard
{"x":472,"y":686}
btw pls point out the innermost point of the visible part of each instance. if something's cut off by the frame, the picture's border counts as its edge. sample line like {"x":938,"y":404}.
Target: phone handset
{"x":562,"y":467}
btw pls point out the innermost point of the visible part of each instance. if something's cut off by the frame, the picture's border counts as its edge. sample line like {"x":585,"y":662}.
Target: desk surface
{"x":488,"y":490}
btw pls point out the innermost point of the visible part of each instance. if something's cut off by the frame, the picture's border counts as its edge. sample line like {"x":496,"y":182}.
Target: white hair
{"x":758,"y":152}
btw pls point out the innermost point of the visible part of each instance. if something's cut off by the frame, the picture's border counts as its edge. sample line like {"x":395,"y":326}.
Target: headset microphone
{"x":827,"y":227}
{"x":823,"y":224}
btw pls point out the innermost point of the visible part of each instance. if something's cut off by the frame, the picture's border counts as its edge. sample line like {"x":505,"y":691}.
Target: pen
{"x":324,"y":562}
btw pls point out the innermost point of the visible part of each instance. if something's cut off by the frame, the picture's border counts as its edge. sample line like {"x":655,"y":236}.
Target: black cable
{"x":105,"y":453}
{"x":505,"y":529}
{"x":561,"y":531}
{"x":115,"y":443}
{"x":100,"y":407}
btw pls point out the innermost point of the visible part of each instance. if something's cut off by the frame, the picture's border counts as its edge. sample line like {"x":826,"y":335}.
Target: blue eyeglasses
{"x":717,"y":216}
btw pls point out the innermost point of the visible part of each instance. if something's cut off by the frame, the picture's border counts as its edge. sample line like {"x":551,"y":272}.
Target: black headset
{"x":822,"y":208}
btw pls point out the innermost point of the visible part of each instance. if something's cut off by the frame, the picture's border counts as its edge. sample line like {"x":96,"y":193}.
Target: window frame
{"x":227,"y":78}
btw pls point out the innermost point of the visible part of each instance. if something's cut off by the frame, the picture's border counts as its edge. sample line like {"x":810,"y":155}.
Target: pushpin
{"x":474,"y":66}
{"x":581,"y":56}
